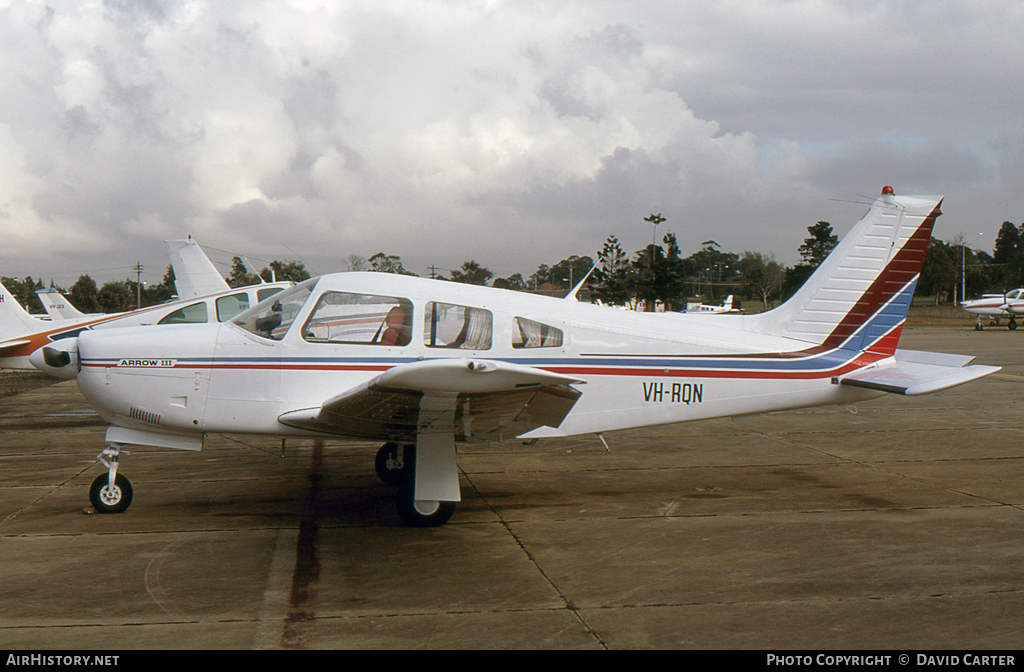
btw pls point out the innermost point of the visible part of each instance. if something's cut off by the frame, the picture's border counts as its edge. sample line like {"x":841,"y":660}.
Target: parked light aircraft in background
{"x":995,"y":306}
{"x":21,"y":335}
{"x":421,"y":364}
{"x":726,"y":307}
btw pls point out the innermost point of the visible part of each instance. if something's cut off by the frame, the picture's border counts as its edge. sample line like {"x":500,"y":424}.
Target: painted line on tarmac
{"x":302,"y":601}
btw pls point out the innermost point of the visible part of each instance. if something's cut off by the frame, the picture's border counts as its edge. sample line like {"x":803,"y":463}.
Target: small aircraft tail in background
{"x":56,"y":306}
{"x":194,"y":273}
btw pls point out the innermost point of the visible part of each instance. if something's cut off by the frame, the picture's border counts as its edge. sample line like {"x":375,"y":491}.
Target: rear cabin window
{"x":194,"y":314}
{"x":264,"y":293}
{"x":229,"y":306}
{"x":450,"y":326}
{"x":532,"y":334}
{"x":368,"y":319}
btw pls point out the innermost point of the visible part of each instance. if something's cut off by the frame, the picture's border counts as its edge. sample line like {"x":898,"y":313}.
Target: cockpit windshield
{"x":271,"y":317}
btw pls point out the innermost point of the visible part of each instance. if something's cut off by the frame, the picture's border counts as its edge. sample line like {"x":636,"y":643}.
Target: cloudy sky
{"x":512,"y":133}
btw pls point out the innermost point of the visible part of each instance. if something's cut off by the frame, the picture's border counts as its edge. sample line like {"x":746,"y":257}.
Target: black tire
{"x":390,"y":476}
{"x":115,"y":502}
{"x":421,"y":514}
{"x":978,"y":327}
{"x":1012,"y":325}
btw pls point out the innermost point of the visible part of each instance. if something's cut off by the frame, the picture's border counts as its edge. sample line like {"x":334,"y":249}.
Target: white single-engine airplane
{"x":422,"y":364}
{"x":995,"y":306}
{"x":726,"y":307}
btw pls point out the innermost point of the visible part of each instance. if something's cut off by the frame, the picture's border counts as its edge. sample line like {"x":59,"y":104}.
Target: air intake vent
{"x":144,"y":416}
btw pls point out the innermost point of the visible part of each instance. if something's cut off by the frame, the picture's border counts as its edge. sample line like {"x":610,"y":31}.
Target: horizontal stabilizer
{"x":915,"y":372}
{"x":13,"y":345}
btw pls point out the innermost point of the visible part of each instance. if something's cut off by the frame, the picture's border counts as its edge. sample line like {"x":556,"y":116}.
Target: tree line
{"x":658,"y":274}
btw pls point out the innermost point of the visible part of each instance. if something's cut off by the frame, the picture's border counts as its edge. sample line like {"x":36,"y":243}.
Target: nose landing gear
{"x":111,"y":492}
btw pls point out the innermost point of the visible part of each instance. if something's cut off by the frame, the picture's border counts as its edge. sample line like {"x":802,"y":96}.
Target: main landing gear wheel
{"x":111,"y":500}
{"x":1012,"y":325}
{"x":978,"y":326}
{"x":420,"y":513}
{"x":390,"y":464}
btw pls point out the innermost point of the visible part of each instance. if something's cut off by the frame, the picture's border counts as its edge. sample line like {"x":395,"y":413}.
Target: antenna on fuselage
{"x":571,"y":296}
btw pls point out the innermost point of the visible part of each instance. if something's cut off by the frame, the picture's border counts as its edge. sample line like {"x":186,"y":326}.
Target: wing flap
{"x":477,"y":400}
{"x":914,"y":372}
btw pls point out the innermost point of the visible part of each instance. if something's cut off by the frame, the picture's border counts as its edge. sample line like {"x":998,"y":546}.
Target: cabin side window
{"x":193,"y":314}
{"x":368,"y":319}
{"x":532,"y":334}
{"x":229,"y":306}
{"x":450,"y":326}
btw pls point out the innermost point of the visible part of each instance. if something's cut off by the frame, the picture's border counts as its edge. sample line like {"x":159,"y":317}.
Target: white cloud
{"x":515,"y":133}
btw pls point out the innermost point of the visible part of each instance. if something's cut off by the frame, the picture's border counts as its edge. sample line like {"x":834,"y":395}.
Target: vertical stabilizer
{"x":858,"y":298}
{"x":15,"y":320}
{"x":194,"y":274}
{"x":57,"y":307}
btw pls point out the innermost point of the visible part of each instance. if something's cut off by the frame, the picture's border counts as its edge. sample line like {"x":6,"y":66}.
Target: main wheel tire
{"x":389,"y":475}
{"x":978,"y":327}
{"x":421,"y":513}
{"x":1012,"y":325}
{"x":105,"y":500}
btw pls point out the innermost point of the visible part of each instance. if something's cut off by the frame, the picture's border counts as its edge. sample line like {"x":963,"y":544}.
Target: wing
{"x":477,"y":400}
{"x":914,"y":372}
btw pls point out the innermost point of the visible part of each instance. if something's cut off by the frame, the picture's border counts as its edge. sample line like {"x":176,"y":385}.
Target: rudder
{"x":859,"y":297}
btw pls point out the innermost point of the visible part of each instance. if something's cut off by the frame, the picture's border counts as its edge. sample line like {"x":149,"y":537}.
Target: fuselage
{"x":332,"y":334}
{"x":997,"y":305}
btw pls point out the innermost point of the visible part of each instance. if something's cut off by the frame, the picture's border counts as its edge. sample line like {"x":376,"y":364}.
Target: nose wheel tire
{"x":419,"y":513}
{"x":107,"y":500}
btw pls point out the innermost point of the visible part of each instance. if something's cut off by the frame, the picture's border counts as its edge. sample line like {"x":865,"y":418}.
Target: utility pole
{"x":138,"y":285}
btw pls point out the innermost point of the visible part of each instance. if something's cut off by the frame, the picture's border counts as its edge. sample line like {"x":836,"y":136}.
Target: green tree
{"x":388,"y":263}
{"x":540,"y":276}
{"x":813,"y":251}
{"x":240,"y":275}
{"x":25,"y":292}
{"x":281,"y":271}
{"x":84,"y":295}
{"x":614,"y":274}
{"x":514,"y":281}
{"x":471,"y":273}
{"x":568,"y":272}
{"x":116,"y":296}
{"x":1008,"y":256}
{"x":660,"y":275}
{"x":710,"y":266}
{"x":762,"y":275}
{"x":818,"y":246}
{"x":941,"y":270}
